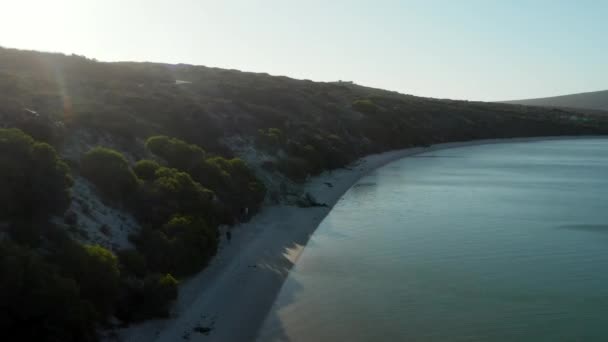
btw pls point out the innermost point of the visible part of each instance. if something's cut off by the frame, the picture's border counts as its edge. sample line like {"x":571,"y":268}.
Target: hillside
{"x":115,"y":177}
{"x":597,"y":100}
{"x":208,"y":106}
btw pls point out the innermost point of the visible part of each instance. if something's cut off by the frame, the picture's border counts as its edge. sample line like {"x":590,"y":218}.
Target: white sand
{"x":98,"y":222}
{"x":235,"y":293}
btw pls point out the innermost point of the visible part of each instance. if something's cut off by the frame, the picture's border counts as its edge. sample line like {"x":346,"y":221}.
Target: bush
{"x":365,"y":106}
{"x":194,"y":243}
{"x":145,"y":169}
{"x":96,"y":271}
{"x":272,"y":138}
{"x":177,"y":153}
{"x":148,"y":298}
{"x":231,"y":180}
{"x":132,"y":262}
{"x":171,"y":192}
{"x":99,"y":280}
{"x":160,"y":291}
{"x":109,"y":171}
{"x":38,"y":304}
{"x":182,"y":246}
{"x":34,"y":182}
{"x":234,"y":182}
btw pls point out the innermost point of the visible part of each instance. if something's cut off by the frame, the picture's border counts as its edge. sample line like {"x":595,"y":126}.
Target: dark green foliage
{"x":109,"y":170}
{"x":311,"y":154}
{"x":181,"y":247}
{"x":174,"y":210}
{"x":271,"y":138}
{"x":146,"y":169}
{"x":365,"y":106}
{"x":34,"y":182}
{"x":159,"y":292}
{"x":234,"y":183}
{"x":139,"y":100}
{"x":37,"y":303}
{"x":171,"y":192}
{"x":177,"y":153}
{"x":132,"y":262}
{"x":96,"y":271}
{"x":147,"y":298}
{"x":99,"y":278}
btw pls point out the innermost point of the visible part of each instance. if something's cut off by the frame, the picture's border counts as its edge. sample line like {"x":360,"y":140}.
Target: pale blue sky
{"x":478,"y":50}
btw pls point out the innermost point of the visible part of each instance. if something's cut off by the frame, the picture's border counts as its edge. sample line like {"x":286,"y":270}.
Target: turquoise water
{"x":502,"y":242}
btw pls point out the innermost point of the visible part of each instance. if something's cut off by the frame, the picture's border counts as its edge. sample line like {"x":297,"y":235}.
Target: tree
{"x":271,"y":138}
{"x":171,"y":192}
{"x":96,"y":271}
{"x":110,"y":172}
{"x":34,"y":182}
{"x":230,"y":179}
{"x":145,"y":169}
{"x":365,"y":106}
{"x":194,"y":243}
{"x":37,"y":303}
{"x":132,"y":262}
{"x":177,"y":153}
{"x":150,"y":297}
{"x":99,"y":282}
{"x":182,"y":246}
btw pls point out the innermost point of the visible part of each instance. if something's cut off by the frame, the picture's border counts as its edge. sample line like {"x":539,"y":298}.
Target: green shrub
{"x":182,"y":246}
{"x":161,"y":291}
{"x":96,"y":271}
{"x":194,"y":243}
{"x":231,"y":180}
{"x":270,"y":138}
{"x":34,"y":182}
{"x":365,"y":106}
{"x":148,"y":298}
{"x":171,"y":192}
{"x":110,"y":172}
{"x":39,"y":304}
{"x":177,"y":153}
{"x":235,"y":184}
{"x":132,"y":262}
{"x":145,"y":169}
{"x":99,"y":281}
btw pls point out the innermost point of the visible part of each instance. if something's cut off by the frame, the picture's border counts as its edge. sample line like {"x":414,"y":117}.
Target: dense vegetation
{"x":110,"y":172}
{"x":34,"y":181}
{"x":167,"y":154}
{"x":233,"y":182}
{"x":307,"y":126}
{"x":54,"y":288}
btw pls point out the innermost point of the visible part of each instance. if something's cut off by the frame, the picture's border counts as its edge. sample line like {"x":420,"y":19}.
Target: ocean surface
{"x":499,"y":242}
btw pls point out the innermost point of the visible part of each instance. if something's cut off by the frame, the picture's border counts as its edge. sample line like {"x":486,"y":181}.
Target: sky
{"x":470,"y":49}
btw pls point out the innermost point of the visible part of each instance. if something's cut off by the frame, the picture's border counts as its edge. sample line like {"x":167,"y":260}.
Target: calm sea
{"x":501,"y":242}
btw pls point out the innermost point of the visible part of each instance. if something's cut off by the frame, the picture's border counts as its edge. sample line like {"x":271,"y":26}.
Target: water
{"x":503,"y":242}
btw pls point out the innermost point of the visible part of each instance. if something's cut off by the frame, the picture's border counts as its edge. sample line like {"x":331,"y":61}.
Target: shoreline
{"x":235,"y":293}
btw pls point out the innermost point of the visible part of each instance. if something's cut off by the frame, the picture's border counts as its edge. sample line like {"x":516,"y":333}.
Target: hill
{"x":597,"y":100}
{"x":115,"y":177}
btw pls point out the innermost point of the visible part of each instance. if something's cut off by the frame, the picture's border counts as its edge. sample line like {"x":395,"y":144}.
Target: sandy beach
{"x":233,"y":296}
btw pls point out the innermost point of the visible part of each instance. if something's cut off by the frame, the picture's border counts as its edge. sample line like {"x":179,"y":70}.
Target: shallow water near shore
{"x":501,"y":242}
